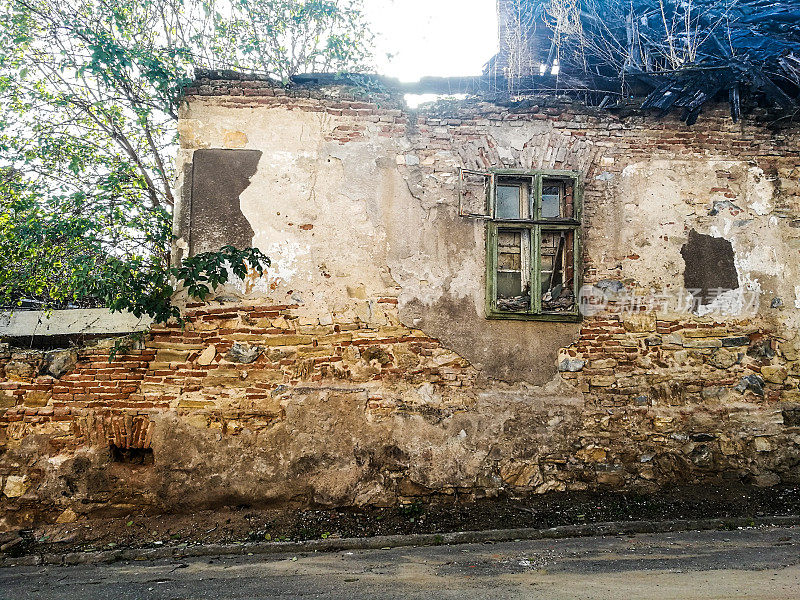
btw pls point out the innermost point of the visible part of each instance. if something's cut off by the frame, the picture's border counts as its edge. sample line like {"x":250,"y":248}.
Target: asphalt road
{"x":752,"y":563}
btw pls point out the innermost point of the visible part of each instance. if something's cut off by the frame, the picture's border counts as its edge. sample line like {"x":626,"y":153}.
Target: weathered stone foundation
{"x":358,"y":413}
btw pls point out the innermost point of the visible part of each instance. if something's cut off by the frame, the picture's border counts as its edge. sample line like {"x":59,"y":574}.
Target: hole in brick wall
{"x":710,"y":267}
{"x":54,"y":342}
{"x":791,"y":416}
{"x":132,"y":456}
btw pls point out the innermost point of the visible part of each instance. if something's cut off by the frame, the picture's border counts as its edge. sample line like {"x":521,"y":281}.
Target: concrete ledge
{"x":81,"y":321}
{"x":396,"y":541}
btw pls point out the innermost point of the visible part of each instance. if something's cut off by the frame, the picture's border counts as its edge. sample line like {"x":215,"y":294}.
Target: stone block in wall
{"x":18,"y":370}
{"x":571,"y":365}
{"x":639,"y":322}
{"x":723,"y":359}
{"x":170,"y":355}
{"x":774,"y":374}
{"x":790,"y":350}
{"x":207,"y":356}
{"x":603,"y":380}
{"x":58,"y":362}
{"x":702,"y":343}
{"x":202,"y":404}
{"x":704,"y":332}
{"x":15,"y":486}
{"x":791,"y":413}
{"x":731,"y":342}
{"x":243,"y":353}
{"x":37,"y":398}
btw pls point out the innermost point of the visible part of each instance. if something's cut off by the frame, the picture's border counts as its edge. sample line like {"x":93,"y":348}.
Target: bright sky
{"x":433,"y":37}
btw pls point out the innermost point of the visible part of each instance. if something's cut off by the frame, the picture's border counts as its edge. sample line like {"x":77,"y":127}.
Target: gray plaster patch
{"x":509,"y":351}
{"x":219,"y":176}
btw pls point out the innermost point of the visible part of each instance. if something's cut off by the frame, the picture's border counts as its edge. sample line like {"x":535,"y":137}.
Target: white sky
{"x":443,"y":38}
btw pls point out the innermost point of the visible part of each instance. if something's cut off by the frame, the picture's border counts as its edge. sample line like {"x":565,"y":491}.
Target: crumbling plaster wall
{"x":652,"y":209}
{"x":361,"y":369}
{"x":348,"y":223}
{"x":353,"y":207}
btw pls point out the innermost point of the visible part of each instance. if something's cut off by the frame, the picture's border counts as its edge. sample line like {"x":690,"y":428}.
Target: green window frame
{"x":533,"y":240}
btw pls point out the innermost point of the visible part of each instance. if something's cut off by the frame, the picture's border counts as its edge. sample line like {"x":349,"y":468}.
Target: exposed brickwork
{"x":656,"y":413}
{"x":86,"y":405}
{"x":638,"y":359}
{"x":152,"y":378}
{"x":106,"y":401}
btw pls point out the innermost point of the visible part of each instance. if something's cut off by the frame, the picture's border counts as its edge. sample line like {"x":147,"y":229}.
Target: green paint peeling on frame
{"x":535,"y":227}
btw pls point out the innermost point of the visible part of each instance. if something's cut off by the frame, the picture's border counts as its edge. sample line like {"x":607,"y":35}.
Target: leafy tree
{"x":287,"y":37}
{"x":89,"y":96}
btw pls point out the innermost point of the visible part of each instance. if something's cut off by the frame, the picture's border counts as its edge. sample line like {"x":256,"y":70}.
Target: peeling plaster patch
{"x":279,"y":159}
{"x":427,"y":394}
{"x":190,"y":135}
{"x":420,"y":281}
{"x":505,"y":154}
{"x":463,"y":282}
{"x":733,"y":302}
{"x":630,"y":170}
{"x":724,"y":232}
{"x":651,"y":192}
{"x":235,"y":139}
{"x":284,"y":258}
{"x":760,"y":192}
{"x":515,"y":138}
{"x":762,"y":259}
{"x":740,"y":302}
{"x":761,"y":207}
{"x":57,"y":461}
{"x":797,"y":296}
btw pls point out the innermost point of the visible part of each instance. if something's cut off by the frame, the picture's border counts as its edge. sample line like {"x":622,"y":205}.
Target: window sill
{"x":555,"y":318}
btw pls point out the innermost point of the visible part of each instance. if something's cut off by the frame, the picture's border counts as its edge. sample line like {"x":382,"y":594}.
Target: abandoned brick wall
{"x":361,"y":369}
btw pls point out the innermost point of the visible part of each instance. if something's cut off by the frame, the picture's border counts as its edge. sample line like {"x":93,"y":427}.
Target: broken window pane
{"x":513,"y":198}
{"x":508,"y":202}
{"x":513,"y":270}
{"x":474,"y":194}
{"x":557,"y":271}
{"x":552,"y":199}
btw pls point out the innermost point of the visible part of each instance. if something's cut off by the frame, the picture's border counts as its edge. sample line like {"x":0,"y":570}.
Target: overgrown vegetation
{"x":89,"y":96}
